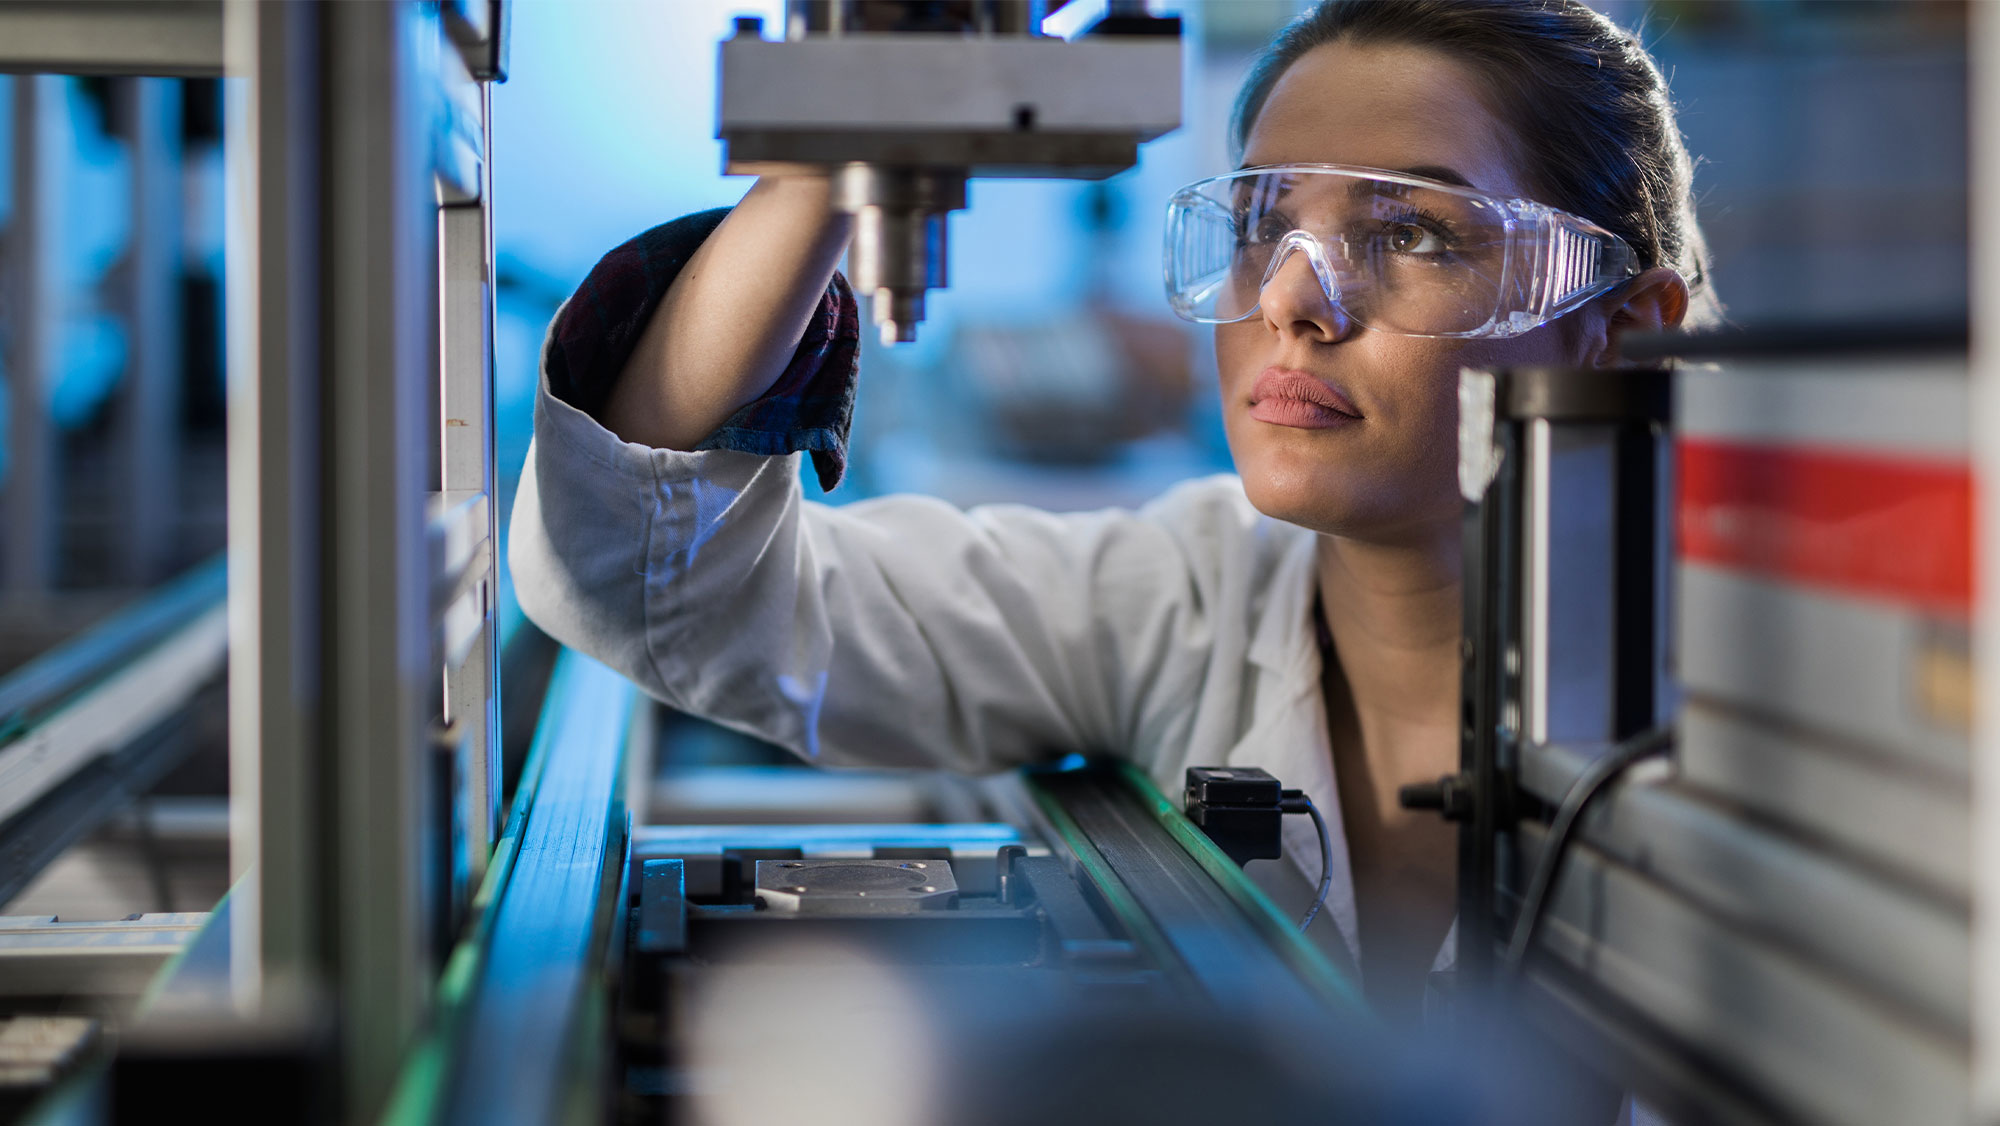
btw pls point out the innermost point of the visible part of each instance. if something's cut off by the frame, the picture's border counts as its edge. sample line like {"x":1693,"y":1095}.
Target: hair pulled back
{"x":1586,"y":102}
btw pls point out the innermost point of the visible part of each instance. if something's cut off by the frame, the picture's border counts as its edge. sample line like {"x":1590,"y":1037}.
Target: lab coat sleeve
{"x":896,"y":631}
{"x":810,"y":406}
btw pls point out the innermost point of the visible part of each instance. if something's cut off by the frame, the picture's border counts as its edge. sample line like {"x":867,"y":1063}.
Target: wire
{"x":1325,"y":865}
{"x":1587,"y":786}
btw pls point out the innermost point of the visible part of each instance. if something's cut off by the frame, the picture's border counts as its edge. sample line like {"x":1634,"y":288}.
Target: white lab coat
{"x":903,"y":631}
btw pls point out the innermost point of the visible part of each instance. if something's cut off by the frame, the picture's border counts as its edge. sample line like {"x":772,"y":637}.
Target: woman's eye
{"x":1409,"y":238}
{"x":1270,"y":227}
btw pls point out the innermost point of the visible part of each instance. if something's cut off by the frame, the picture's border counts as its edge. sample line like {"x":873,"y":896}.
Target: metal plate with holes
{"x":856,"y":887}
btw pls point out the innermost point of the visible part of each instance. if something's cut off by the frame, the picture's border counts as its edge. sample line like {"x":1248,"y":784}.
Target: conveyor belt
{"x":515,"y":996}
{"x":1205,"y":918}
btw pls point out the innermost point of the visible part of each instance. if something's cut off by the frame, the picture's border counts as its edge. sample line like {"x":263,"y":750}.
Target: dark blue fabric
{"x":810,"y":407}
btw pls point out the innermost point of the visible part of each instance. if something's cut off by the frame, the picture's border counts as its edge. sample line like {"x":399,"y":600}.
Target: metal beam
{"x":96,"y":790}
{"x":276,"y":695}
{"x":1189,"y":908}
{"x":167,"y":38}
{"x":379,"y":420}
{"x":41,"y":956}
{"x":337,"y":416}
{"x":52,"y":679}
{"x":546,"y":928}
{"x":27,"y":493}
{"x":149,"y":415}
{"x":466,"y":441}
{"x":144,"y":692}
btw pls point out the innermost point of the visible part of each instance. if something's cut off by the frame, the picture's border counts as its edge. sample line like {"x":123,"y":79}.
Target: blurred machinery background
{"x":1781,"y":928}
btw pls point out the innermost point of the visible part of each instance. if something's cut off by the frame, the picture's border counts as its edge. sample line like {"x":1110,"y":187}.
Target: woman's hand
{"x":730,"y":322}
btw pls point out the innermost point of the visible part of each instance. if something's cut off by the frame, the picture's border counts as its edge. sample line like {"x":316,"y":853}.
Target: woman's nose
{"x":1295,"y":300}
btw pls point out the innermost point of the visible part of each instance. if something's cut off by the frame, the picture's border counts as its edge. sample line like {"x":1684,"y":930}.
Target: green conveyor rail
{"x":569,"y":785}
{"x":1277,"y":928}
{"x":1166,"y":883}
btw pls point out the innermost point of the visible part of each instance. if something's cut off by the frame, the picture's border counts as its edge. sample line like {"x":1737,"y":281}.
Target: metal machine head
{"x":902,"y":101}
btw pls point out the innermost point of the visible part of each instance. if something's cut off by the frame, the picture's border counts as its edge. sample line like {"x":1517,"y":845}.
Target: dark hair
{"x":1584,"y":98}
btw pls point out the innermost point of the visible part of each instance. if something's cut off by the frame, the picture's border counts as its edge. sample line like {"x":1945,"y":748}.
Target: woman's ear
{"x":1654,"y":301}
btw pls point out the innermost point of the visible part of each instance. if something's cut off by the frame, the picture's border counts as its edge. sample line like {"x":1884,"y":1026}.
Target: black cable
{"x":1604,"y":769}
{"x":1325,"y":865}
{"x":1236,"y":792}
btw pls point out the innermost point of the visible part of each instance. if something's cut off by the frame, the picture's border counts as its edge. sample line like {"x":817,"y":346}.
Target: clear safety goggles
{"x":1395,"y":253}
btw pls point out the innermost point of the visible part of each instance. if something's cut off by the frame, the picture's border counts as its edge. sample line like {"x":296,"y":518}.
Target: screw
{"x":915,"y":864}
{"x":791,"y":864}
{"x":797,"y":889}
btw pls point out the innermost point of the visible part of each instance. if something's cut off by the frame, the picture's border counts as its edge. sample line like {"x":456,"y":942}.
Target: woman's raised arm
{"x":729,"y":323}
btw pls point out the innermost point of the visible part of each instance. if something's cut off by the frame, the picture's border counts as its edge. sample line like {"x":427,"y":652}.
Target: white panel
{"x":1910,"y":406}
{"x":1903,"y":820}
{"x":1841,"y":667}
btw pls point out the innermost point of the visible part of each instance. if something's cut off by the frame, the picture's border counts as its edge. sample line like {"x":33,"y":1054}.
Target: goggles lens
{"x":1397,"y":254}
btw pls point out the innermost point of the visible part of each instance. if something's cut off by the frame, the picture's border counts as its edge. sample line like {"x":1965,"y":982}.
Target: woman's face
{"x":1389,"y":475}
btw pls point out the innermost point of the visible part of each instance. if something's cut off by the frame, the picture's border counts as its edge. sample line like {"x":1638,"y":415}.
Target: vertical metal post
{"x":333,"y":408}
{"x":277,"y":698}
{"x":380,"y":253}
{"x":472,"y":678}
{"x":1563,"y":578}
{"x":27,"y":493}
{"x":148,"y":419}
{"x":1591,"y":554}
{"x":1489,"y":652}
{"x":361,"y":389}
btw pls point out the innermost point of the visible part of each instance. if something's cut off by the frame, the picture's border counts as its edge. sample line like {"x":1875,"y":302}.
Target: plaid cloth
{"x":810,"y":407}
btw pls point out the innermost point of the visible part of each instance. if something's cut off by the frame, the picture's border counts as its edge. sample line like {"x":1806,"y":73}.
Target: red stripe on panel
{"x":1880,"y":527}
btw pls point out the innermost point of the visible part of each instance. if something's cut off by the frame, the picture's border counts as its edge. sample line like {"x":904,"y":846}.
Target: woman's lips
{"x":1287,"y":397}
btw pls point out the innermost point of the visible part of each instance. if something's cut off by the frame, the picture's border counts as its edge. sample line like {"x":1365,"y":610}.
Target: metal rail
{"x":91,"y":725}
{"x":1812,"y":904}
{"x":41,"y":956}
{"x":1755,"y":1017}
{"x":166,"y":38}
{"x":56,"y":677}
{"x":61,"y":810}
{"x":1188,"y":907}
{"x":1276,"y":927}
{"x":512,"y":1002}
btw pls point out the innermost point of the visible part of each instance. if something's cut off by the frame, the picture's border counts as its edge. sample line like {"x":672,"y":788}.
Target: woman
{"x":1303,"y":615}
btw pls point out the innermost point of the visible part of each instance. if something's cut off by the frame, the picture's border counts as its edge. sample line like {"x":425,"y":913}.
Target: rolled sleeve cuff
{"x":811,"y":406}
